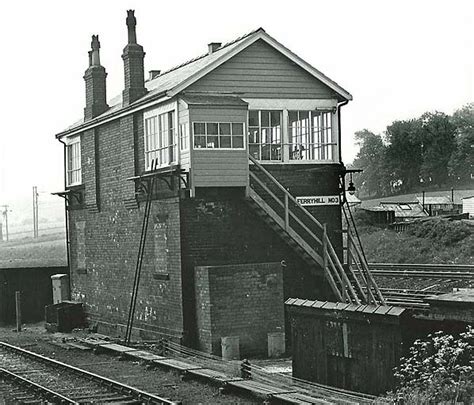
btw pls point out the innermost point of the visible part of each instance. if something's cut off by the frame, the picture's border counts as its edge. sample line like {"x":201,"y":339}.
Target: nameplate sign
{"x":308,"y":201}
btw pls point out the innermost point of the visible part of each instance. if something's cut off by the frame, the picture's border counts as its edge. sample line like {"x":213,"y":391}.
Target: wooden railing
{"x":301,"y":226}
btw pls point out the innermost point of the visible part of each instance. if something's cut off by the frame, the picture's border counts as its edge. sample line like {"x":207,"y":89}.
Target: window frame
{"x":73,"y":174}
{"x":218,"y":135}
{"x":323,"y":130}
{"x":162,"y":143}
{"x":286,"y":142}
{"x":280,"y":136}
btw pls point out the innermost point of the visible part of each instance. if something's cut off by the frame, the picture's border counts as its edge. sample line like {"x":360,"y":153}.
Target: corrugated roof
{"x":387,"y":310}
{"x":435,"y":200}
{"x":176,"y":76}
{"x":405,"y":209}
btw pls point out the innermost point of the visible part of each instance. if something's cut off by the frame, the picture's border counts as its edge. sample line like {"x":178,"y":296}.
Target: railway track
{"x":438,"y":271}
{"x":32,"y":378}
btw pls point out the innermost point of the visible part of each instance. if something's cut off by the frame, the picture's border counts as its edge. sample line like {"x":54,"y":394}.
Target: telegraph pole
{"x":5,"y":214}
{"x":35,"y":212}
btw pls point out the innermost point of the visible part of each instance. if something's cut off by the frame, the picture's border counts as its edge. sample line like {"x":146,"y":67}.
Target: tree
{"x":404,"y":154}
{"x":371,"y":158}
{"x":461,"y":164}
{"x":437,"y":145}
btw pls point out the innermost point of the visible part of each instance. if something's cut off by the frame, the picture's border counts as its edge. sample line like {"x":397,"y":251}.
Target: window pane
{"x":212,"y":141}
{"x":199,"y":141}
{"x":265,"y":118}
{"x":253,"y":119}
{"x":292,"y":116}
{"x":237,"y":129}
{"x":224,"y":129}
{"x":199,"y":128}
{"x":238,"y":141}
{"x":212,"y":128}
{"x":254,"y":150}
{"x":254,"y":135}
{"x":275,"y":118}
{"x":225,"y":142}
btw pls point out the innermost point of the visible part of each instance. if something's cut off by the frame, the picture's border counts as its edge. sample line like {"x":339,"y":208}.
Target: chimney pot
{"x":214,"y":46}
{"x":131,"y":27}
{"x":133,"y":58}
{"x":153,"y":73}
{"x":95,"y":55}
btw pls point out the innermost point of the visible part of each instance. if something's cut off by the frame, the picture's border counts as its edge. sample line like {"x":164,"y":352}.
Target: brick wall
{"x":220,"y":228}
{"x":239,"y":300}
{"x":315,"y":180}
{"x":111,"y":236}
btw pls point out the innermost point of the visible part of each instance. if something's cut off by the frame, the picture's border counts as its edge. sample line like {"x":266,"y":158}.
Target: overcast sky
{"x":397,"y":58}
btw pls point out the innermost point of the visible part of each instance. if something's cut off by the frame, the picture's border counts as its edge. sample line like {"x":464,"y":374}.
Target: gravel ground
{"x":157,"y":381}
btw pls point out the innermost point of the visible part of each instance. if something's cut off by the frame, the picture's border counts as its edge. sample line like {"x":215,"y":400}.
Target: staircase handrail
{"x":286,"y":192}
{"x":356,"y":243}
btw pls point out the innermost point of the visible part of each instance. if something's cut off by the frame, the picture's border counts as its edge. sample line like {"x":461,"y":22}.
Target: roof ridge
{"x":260,"y":29}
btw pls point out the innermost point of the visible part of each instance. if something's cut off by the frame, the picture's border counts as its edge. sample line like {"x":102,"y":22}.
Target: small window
{"x":73,"y":157}
{"x":183,"y":137}
{"x":160,"y":143}
{"x":405,"y":207}
{"x":310,"y":135}
{"x":265,"y":135}
{"x":218,"y":135}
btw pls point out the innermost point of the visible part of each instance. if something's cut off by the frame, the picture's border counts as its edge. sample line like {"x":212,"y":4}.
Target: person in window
{"x":298,"y":152}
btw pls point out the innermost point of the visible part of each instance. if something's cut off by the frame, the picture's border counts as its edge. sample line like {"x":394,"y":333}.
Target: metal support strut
{"x":141,"y":249}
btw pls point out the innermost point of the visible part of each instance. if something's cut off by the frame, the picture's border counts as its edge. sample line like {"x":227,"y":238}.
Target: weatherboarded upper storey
{"x":250,"y":96}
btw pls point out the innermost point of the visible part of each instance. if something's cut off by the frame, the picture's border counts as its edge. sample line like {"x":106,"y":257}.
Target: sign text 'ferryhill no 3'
{"x":318,"y":200}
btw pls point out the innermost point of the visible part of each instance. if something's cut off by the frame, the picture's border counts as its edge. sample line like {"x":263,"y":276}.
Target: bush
{"x":438,"y":369}
{"x":441,"y":231}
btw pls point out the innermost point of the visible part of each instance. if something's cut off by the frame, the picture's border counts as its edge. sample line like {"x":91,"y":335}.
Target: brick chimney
{"x":133,"y":57}
{"x":96,"y":97}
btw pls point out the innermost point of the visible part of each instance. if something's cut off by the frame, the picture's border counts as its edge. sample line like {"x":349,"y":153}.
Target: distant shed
{"x":405,"y":211}
{"x":350,"y":346}
{"x":437,"y":205}
{"x":468,"y":206}
{"x":34,"y":283}
{"x":380,"y":215}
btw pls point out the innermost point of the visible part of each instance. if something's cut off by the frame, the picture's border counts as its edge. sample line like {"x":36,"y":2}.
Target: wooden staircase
{"x":308,"y":237}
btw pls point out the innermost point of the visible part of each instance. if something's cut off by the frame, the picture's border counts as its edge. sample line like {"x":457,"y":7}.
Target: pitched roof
{"x":405,"y":209}
{"x":435,"y":200}
{"x":176,"y":79}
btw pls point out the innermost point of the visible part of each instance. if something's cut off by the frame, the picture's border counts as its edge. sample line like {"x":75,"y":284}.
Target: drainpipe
{"x":66,"y":217}
{"x":339,"y":142}
{"x":339,"y":137}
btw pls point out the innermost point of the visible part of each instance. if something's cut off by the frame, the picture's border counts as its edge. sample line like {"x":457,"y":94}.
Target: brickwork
{"x":220,"y":229}
{"x":111,"y":244}
{"x":239,"y":300}
{"x":96,"y":96}
{"x":315,"y":180}
{"x":133,"y":56}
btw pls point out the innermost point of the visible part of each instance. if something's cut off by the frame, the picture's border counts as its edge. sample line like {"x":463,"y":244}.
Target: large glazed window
{"x":218,"y":135}
{"x":265,"y":135}
{"x":73,"y":161}
{"x":160,"y":141}
{"x":310,"y":135}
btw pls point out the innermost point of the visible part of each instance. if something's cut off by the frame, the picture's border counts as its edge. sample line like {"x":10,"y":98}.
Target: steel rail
{"x":46,"y":392}
{"x":142,"y":395}
{"x":464,"y":268}
{"x":442,"y":275}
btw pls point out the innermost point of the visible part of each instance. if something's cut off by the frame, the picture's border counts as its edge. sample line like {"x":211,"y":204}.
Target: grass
{"x":48,"y":250}
{"x":436,"y":241}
